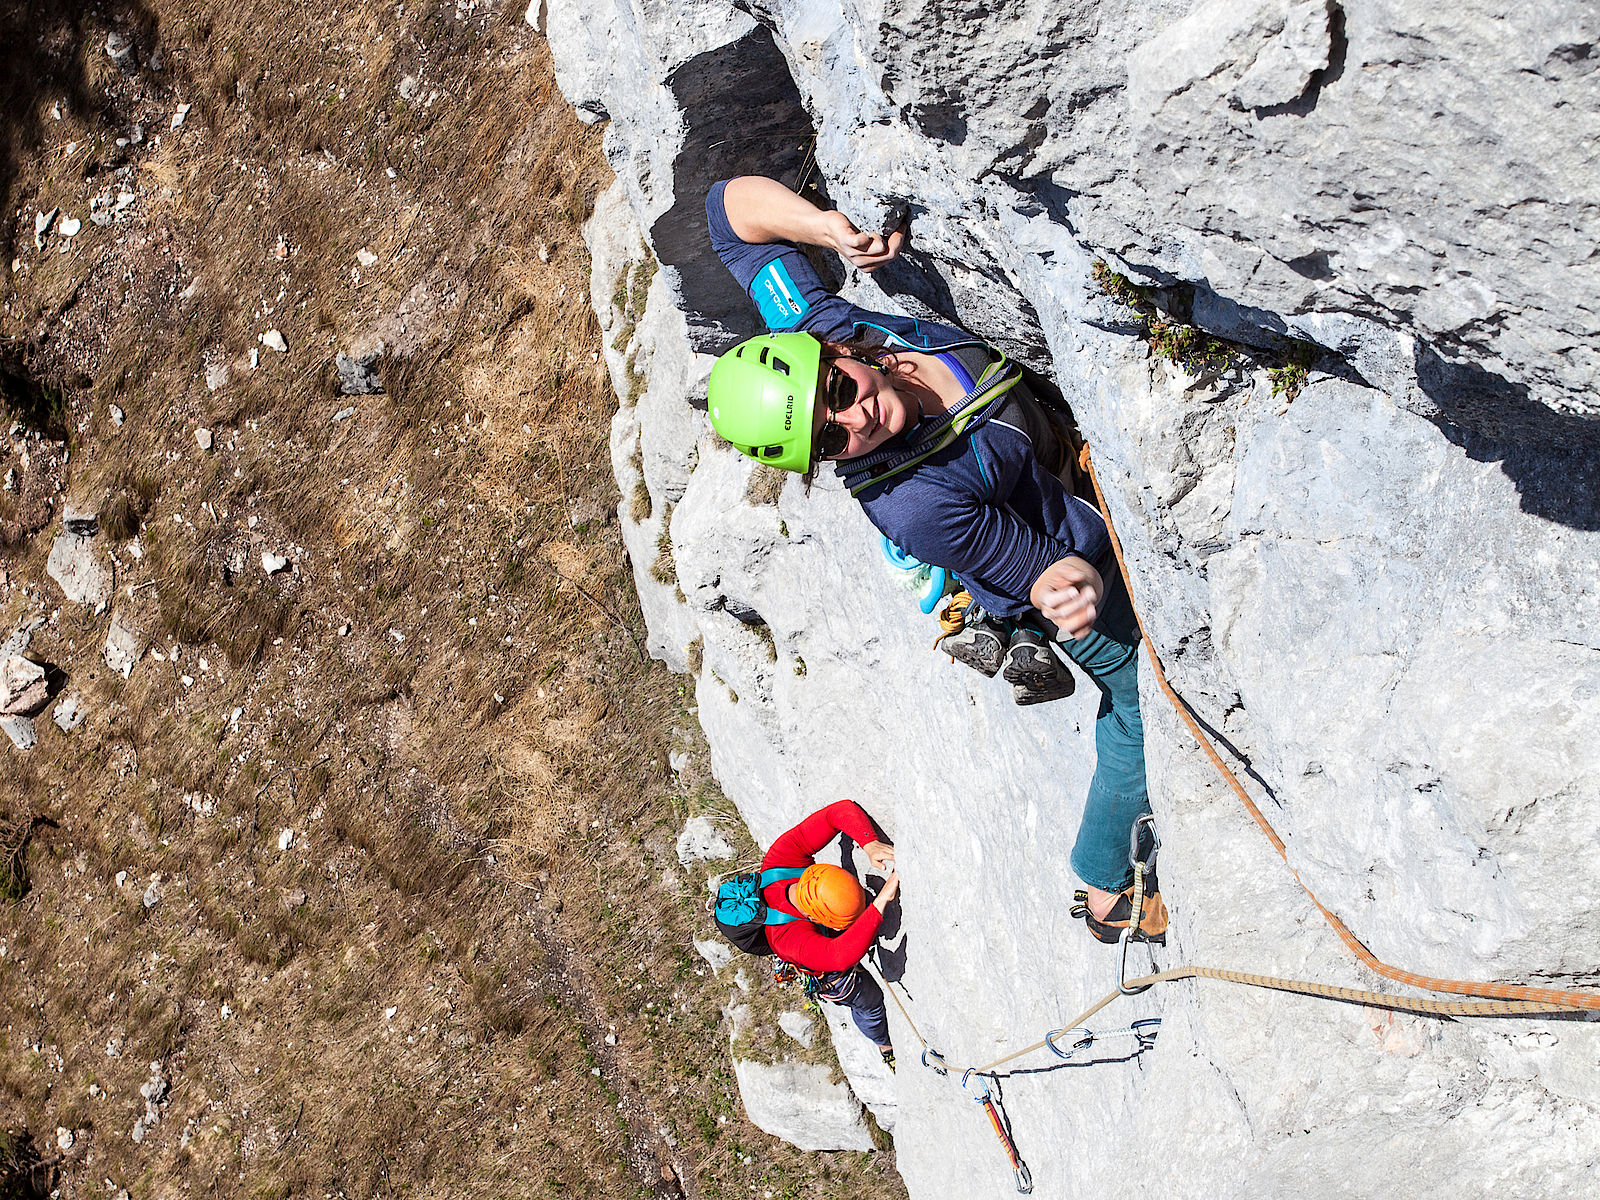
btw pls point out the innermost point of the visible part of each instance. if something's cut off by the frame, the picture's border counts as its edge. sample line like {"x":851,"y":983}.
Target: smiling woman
{"x":949,"y":454}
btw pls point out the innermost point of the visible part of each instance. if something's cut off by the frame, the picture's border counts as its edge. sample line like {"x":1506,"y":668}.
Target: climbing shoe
{"x":1152,"y":926}
{"x":1033,"y":671}
{"x":888,"y":1056}
{"x":970,"y":637}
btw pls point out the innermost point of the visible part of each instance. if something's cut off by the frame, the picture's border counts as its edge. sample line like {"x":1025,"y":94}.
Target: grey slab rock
{"x":23,"y":690}
{"x":124,"y":646}
{"x":1383,"y":593}
{"x":69,"y":713}
{"x":74,"y":565}
{"x":871,"y":1079}
{"x":358,"y":373}
{"x":21,"y":732}
{"x":799,"y":1103}
{"x":715,"y":951}
{"x":701,"y":841}
{"x":21,"y":637}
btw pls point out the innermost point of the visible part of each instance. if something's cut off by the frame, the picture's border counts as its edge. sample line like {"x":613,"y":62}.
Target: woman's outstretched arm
{"x":762,"y":211}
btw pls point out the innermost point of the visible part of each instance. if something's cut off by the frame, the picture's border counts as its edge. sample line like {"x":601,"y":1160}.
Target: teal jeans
{"x":1118,"y":795}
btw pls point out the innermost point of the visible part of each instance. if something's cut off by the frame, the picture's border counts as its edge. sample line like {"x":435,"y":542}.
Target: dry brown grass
{"x":482,"y":812}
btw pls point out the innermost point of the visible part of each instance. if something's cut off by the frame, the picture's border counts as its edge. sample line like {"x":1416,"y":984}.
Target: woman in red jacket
{"x":838,"y":925}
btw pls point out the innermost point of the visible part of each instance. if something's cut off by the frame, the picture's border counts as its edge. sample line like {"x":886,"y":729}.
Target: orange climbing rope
{"x":1554,"y":998}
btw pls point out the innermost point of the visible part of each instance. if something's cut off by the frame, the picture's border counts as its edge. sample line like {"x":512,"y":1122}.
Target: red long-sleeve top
{"x":800,"y":942}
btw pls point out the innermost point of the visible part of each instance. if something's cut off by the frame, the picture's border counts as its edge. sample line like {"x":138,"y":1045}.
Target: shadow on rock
{"x":1552,"y":457}
{"x":743,"y":115}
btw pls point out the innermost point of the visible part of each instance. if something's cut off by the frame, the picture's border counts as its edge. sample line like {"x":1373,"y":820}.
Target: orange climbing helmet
{"x":829,"y":895}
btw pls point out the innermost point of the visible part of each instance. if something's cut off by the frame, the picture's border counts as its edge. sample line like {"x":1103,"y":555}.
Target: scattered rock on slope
{"x":23,"y":691}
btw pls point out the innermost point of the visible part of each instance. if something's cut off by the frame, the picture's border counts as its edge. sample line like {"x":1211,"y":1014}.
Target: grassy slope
{"x":481,"y":812}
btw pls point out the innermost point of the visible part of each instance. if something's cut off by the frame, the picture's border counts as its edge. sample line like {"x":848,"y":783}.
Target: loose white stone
{"x":41,"y":226}
{"x":715,"y":951}
{"x":273,"y":340}
{"x":273,"y":563}
{"x":68,"y":713}
{"x":21,"y":732}
{"x":286,"y":839}
{"x":701,"y":841}
{"x":124,"y":647}
{"x":180,"y":115}
{"x":70,"y":227}
{"x":75,"y":566}
{"x":798,"y":1026}
{"x":204,"y":439}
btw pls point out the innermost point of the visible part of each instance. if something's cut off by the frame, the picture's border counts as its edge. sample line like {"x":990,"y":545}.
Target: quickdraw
{"x":1143,"y":1032}
{"x":1002,"y":1129}
{"x":1141,"y":867}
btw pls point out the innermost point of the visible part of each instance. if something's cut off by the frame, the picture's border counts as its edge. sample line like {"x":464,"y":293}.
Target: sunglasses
{"x":839,"y":393}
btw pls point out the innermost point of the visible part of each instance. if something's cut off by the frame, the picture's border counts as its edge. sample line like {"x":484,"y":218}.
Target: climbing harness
{"x":1002,"y":1129}
{"x":925,"y":579}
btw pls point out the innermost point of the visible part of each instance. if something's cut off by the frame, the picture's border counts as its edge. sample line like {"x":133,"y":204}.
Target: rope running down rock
{"x":1519,"y":998}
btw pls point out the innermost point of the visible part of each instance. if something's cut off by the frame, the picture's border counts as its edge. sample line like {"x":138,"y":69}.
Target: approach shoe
{"x":1034,"y":672}
{"x":981,"y":645}
{"x":888,"y":1056}
{"x":1152,"y":925}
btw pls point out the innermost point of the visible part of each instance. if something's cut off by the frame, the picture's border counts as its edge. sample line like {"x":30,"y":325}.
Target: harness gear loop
{"x":1001,"y":1130}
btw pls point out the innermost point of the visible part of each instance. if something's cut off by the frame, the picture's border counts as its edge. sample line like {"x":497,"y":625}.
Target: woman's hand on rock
{"x":1069,"y":592}
{"x":891,"y":888}
{"x":865,"y":251}
{"x":879,"y":854}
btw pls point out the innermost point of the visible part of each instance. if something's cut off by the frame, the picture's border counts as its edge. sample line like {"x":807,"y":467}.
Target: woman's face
{"x":878,"y":412}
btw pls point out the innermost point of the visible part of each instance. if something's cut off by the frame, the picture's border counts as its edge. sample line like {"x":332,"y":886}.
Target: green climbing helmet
{"x":762,"y":395}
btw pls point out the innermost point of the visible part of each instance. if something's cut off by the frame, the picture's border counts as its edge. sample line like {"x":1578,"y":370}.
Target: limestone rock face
{"x":1380,"y":593}
{"x":797,"y":1102}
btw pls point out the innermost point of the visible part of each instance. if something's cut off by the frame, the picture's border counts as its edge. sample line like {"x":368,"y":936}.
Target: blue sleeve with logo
{"x":780,"y":280}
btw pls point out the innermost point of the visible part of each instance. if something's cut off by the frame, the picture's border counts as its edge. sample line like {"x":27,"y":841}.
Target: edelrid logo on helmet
{"x":788,"y":415}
